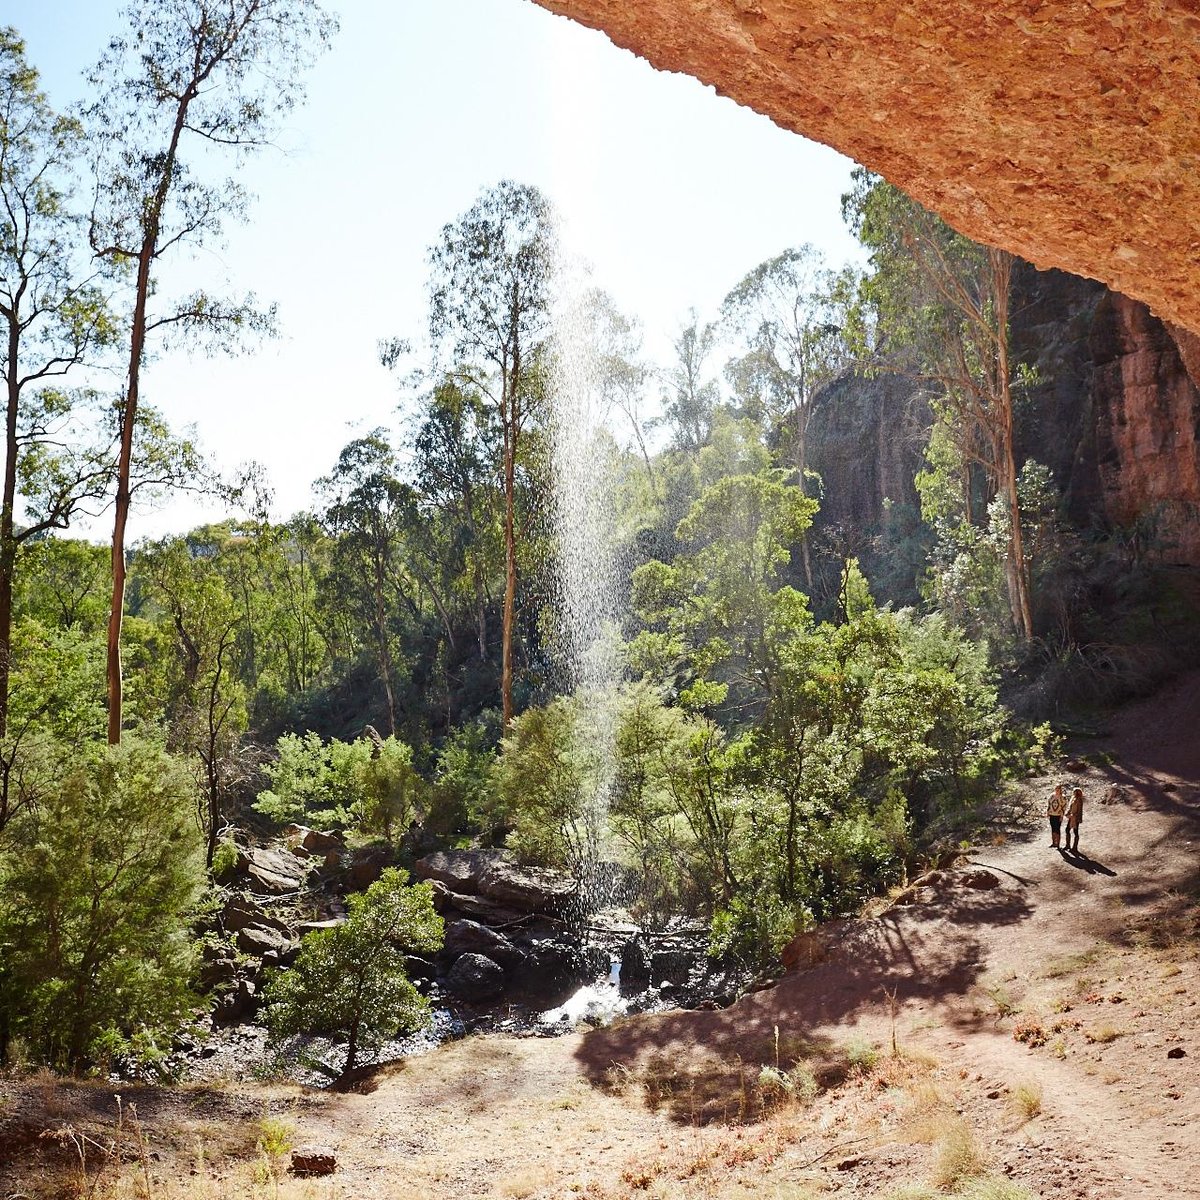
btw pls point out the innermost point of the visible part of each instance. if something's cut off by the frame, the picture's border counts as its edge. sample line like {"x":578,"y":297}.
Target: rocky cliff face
{"x":1147,"y":413}
{"x":1115,"y":415}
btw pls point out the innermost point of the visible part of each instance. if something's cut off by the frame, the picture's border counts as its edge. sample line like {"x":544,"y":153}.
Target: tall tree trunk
{"x":481,"y":613}
{"x":385,"y":652}
{"x":1000,"y":263}
{"x":510,"y":578}
{"x":8,"y":542}
{"x":116,"y":612}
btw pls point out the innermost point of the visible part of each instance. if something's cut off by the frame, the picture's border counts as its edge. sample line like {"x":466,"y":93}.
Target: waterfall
{"x":588,"y":618}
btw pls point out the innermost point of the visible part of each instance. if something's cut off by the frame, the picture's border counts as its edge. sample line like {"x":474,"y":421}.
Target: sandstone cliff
{"x":1115,"y":415}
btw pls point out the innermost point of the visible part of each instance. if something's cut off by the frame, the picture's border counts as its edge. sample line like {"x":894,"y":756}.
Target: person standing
{"x":1055,"y":808}
{"x":1074,"y":819}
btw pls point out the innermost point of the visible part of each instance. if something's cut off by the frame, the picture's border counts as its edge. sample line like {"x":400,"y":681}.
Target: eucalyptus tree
{"x":52,"y":319}
{"x":943,"y":305}
{"x":208,"y":699}
{"x":490,"y":292}
{"x":691,"y":396}
{"x":790,"y":313}
{"x":364,"y":512}
{"x":188,"y":77}
{"x":458,"y":531}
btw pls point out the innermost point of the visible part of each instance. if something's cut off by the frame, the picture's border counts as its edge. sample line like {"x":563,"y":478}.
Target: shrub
{"x":98,"y":884}
{"x":350,"y":980}
{"x":372,"y":784}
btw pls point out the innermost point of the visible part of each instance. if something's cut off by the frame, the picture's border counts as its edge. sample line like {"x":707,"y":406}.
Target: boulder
{"x":635,"y":964}
{"x":270,"y":871}
{"x":672,"y":965}
{"x":459,"y":870}
{"x":487,"y":911}
{"x":530,"y":889}
{"x":258,"y":939}
{"x":469,"y":937}
{"x":475,"y":977}
{"x":217,"y":973}
{"x":319,"y":842}
{"x":806,"y":950}
{"x":549,"y":967}
{"x":365,"y":868}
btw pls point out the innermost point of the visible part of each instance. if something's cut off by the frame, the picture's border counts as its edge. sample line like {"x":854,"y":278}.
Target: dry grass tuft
{"x":1026,"y":1099}
{"x":958,"y":1159}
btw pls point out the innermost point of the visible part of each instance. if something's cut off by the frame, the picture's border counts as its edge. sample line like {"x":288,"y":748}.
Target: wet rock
{"x":417,"y":968}
{"x":475,"y":977}
{"x":258,"y":940}
{"x":313,"y":1160}
{"x":672,"y":965}
{"x":530,"y":889}
{"x":635,"y":964}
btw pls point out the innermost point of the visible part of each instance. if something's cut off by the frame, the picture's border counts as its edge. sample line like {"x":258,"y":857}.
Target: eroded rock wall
{"x":1115,"y":415}
{"x":1063,"y":130}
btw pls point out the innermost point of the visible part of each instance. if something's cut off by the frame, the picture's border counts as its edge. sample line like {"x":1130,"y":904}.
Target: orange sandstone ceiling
{"x":1066,"y":131}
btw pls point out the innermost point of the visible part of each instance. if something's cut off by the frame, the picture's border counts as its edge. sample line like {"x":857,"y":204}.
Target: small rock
{"x":313,"y":1160}
{"x":475,"y":977}
{"x":258,"y":940}
{"x":1177,"y":1052}
{"x":978,"y":878}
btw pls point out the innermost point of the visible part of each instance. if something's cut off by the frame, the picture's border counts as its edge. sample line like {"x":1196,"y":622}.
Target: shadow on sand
{"x":704,"y":1066}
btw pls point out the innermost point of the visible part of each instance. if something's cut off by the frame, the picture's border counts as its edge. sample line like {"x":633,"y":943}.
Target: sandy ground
{"x":1047,"y":1022}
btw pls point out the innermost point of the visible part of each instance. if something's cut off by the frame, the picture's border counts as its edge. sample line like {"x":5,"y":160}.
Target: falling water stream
{"x":588,"y":633}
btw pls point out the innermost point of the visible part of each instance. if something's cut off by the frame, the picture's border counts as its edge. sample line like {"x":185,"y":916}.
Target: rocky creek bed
{"x":519,"y":956}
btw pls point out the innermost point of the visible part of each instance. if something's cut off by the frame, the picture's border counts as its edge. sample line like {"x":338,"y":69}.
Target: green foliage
{"x":462,"y":796}
{"x":350,"y":980}
{"x":546,"y":777}
{"x":99,"y":881}
{"x":369,"y":784}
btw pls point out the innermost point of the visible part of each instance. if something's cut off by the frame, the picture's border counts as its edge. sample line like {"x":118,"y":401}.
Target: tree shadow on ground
{"x":704,"y":1066}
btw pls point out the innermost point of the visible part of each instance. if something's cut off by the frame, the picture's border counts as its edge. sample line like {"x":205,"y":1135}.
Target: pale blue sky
{"x":671,"y":192}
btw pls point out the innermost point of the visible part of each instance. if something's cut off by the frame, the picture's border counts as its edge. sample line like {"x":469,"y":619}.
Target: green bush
{"x":98,"y":883}
{"x":350,"y":980}
{"x":372,"y":785}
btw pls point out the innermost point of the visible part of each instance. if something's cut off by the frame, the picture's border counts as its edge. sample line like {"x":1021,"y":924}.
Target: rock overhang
{"x":1064,"y":131}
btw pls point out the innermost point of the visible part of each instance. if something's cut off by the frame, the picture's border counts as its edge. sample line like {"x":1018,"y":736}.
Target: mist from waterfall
{"x":588,"y":609}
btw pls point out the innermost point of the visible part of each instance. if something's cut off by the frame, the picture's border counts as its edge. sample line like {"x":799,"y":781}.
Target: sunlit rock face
{"x":1064,"y":131}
